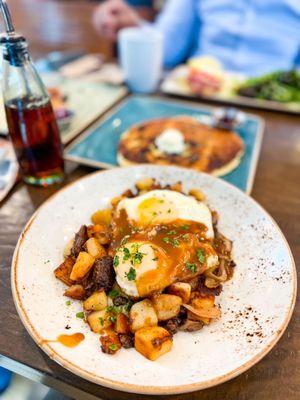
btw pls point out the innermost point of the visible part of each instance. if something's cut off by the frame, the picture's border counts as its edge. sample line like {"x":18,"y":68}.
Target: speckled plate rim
{"x":125,"y":387}
{"x":185,"y":103}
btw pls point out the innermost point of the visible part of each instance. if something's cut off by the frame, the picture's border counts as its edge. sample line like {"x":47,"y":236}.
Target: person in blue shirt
{"x":248,"y":36}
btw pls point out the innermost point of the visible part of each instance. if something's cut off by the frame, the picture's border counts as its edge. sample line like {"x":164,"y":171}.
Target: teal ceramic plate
{"x":98,"y":146}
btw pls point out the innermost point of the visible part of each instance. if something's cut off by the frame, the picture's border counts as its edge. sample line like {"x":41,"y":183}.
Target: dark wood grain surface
{"x":276,"y":188}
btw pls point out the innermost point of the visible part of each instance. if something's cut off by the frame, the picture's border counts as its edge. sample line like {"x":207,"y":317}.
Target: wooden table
{"x":276,"y":187}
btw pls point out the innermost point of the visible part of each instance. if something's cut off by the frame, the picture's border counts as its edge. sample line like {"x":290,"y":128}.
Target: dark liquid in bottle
{"x":35,"y":136}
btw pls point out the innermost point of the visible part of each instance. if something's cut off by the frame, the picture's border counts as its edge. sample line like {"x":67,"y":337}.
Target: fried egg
{"x":158,"y":206}
{"x":149,"y":263}
{"x":128,"y":271}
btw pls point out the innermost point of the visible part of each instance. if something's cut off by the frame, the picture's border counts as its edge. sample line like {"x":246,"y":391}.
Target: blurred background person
{"x":249,"y":37}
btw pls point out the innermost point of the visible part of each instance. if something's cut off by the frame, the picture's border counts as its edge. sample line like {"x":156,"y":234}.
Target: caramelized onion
{"x":222,"y":270}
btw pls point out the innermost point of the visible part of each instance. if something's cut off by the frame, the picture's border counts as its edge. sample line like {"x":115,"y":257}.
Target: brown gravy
{"x":72,"y":340}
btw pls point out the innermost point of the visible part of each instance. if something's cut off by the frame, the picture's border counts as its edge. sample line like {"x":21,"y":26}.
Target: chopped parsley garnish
{"x":124,"y":240}
{"x":185,"y":236}
{"x":169,"y":210}
{"x":184,"y":226}
{"x":131,"y":275}
{"x":161,"y":201}
{"x":112,"y":318}
{"x":155,"y":259}
{"x":192,"y":267}
{"x":113,"y":293}
{"x":172,"y":232}
{"x":114,"y":309}
{"x":128,"y":305}
{"x":113,"y":347}
{"x":68,"y":302}
{"x":137,"y":258}
{"x":101,"y":321}
{"x":126,"y":253}
{"x":116,"y":261}
{"x":135,"y":229}
{"x":80,"y":315}
{"x":136,"y":255}
{"x":175,"y":242}
{"x":201,"y":255}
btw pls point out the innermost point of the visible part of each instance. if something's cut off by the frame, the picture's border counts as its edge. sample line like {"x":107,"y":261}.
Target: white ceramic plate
{"x":256,"y":304}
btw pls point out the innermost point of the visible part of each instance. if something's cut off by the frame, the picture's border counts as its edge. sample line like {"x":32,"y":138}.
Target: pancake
{"x":206,"y":149}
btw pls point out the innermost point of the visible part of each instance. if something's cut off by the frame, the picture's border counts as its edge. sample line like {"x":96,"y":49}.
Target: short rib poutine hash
{"x":148,"y":266}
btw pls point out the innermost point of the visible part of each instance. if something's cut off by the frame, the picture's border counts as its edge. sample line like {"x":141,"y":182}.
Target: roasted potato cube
{"x":142,"y":314}
{"x":96,"y":302}
{"x":99,"y":320}
{"x":83,"y":264}
{"x":166,"y":306}
{"x":122,"y":324}
{"x":100,"y":232}
{"x":177,"y":187}
{"x":76,"y":292}
{"x":182,"y":290}
{"x":68,"y":248}
{"x":197,"y":194}
{"x":110,"y":342}
{"x":94,"y":248}
{"x":63,"y":271}
{"x":101,"y":217}
{"x":116,"y":200}
{"x":153,"y":342}
{"x":144,"y":184}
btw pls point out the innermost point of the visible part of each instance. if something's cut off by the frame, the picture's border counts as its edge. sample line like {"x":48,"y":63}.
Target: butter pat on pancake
{"x":181,"y":141}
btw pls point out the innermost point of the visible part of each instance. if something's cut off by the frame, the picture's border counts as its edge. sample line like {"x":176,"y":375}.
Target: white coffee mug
{"x":140,"y":55}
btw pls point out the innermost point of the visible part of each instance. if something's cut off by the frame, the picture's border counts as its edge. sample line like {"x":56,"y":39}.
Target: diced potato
{"x":99,"y":320}
{"x":94,"y":248}
{"x":63,"y":271}
{"x":68,"y":248}
{"x":144,"y":184}
{"x":100,"y":232}
{"x":116,"y":200}
{"x":142,"y":314}
{"x":110,"y":342}
{"x":83,"y":264}
{"x":76,"y":292}
{"x":182,"y":290}
{"x":153,"y":342}
{"x":102,"y":217}
{"x":166,"y":306}
{"x":197,"y":194}
{"x":177,"y":187}
{"x":122,"y":324}
{"x":96,"y":302}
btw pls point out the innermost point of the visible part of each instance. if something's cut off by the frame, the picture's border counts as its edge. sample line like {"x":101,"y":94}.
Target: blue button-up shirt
{"x":249,"y":36}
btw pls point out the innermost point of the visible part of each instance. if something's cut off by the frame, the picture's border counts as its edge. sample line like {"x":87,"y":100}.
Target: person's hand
{"x":113,"y":15}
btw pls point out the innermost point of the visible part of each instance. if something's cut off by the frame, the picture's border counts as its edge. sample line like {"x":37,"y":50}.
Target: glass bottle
{"x":30,"y":118}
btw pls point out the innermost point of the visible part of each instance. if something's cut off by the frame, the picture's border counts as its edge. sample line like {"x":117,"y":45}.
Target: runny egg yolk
{"x":154,"y":210}
{"x":163,"y":206}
